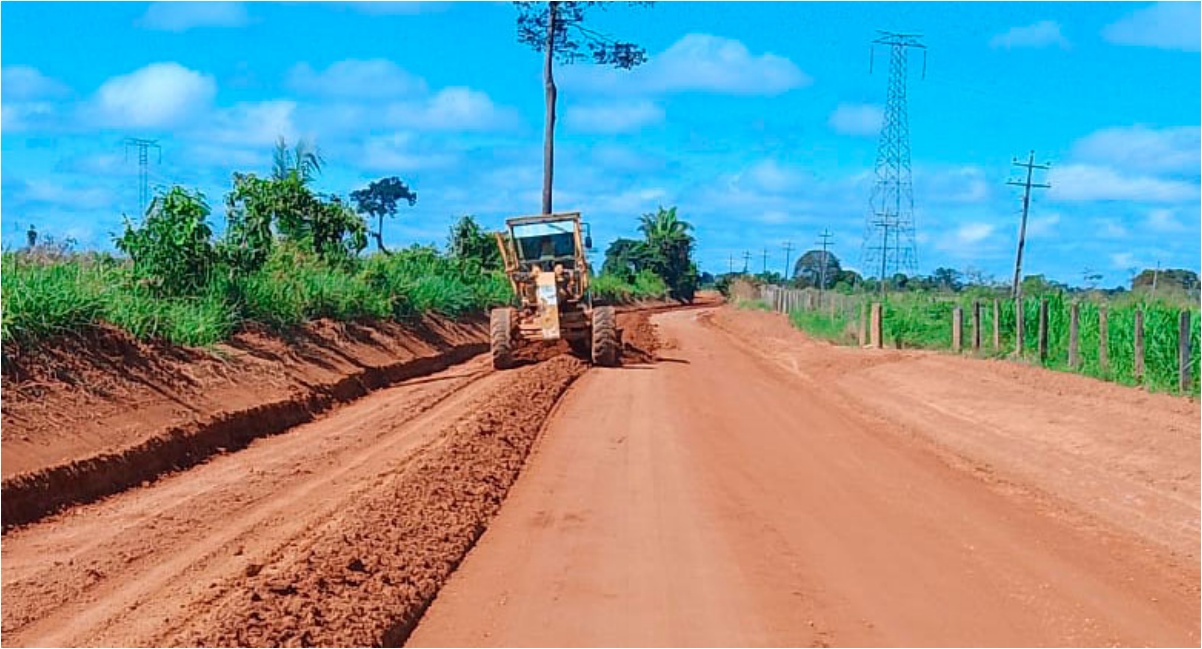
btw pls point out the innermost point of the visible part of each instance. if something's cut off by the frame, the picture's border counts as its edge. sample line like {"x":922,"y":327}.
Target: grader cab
{"x":545,"y":261}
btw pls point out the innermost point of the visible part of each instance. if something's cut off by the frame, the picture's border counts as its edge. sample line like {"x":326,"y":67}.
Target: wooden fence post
{"x":1103,"y":339}
{"x":1183,"y":335}
{"x":997,"y":324}
{"x":1074,"y":324}
{"x":876,"y":337}
{"x":957,"y":329}
{"x":1139,"y":345}
{"x":1018,"y":327}
{"x":1043,"y":329}
{"x":976,"y":326}
{"x":863,"y":323}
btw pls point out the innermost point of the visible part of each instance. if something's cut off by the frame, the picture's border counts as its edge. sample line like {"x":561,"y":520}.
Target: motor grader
{"x":545,"y":261}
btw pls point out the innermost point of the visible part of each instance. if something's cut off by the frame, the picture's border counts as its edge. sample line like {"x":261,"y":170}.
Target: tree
{"x":556,"y":30}
{"x":469,"y":241}
{"x":624,"y":258}
{"x":668,"y":248}
{"x":172,"y":248}
{"x":948,"y":279}
{"x":379,"y":199}
{"x":1149,"y":277}
{"x":303,"y":161}
{"x":808,"y":269}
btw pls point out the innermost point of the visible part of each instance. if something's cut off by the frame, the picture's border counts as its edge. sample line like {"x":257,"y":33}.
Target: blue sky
{"x":758,"y":120}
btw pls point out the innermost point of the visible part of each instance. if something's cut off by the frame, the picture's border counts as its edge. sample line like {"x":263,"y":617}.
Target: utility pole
{"x":765,"y":271}
{"x":746,"y":259}
{"x":788,"y":249}
{"x":143,"y":146}
{"x":825,"y":240}
{"x":1030,"y":166}
{"x":731,"y":269}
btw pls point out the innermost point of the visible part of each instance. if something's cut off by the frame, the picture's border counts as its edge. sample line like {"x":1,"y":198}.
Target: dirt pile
{"x":85,"y":417}
{"x":367,"y":582}
{"x":639,"y":341}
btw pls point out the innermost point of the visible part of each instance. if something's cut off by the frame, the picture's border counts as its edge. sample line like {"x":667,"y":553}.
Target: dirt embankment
{"x":88,"y":416}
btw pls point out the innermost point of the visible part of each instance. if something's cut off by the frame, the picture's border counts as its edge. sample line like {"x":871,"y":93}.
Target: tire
{"x":500,"y":333}
{"x":607,"y":349}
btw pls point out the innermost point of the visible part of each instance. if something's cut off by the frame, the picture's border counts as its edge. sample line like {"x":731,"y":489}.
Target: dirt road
{"x":726,"y":498}
{"x":749,"y":488}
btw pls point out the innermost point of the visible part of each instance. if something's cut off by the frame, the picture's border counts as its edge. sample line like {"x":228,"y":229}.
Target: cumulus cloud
{"x":613,"y":118}
{"x":158,"y":95}
{"x":1040,"y":226}
{"x":971,"y":233}
{"x":395,"y":8}
{"x":1164,"y":220}
{"x":182,"y":16}
{"x":966,"y":184}
{"x":857,"y":119}
{"x":1164,"y":25}
{"x":771,"y":177}
{"x":399,"y":153}
{"x":1084,"y":182}
{"x":253,"y":123}
{"x":360,"y":79}
{"x":697,"y":63}
{"x":22,"y":82}
{"x":49,"y":192}
{"x":1040,"y":34}
{"x":455,"y":108}
{"x":1177,"y":149}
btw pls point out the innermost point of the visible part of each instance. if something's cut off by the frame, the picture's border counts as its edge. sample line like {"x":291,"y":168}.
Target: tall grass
{"x":43,"y":298}
{"x":610,"y":289}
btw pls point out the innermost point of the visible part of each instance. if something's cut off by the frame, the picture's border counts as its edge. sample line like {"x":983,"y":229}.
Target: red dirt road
{"x":744,"y":493}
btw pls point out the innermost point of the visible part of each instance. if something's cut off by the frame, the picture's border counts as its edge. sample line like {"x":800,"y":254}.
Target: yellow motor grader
{"x":545,"y":261}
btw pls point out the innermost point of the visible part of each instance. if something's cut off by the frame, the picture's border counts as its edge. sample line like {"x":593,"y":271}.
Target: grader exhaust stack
{"x":545,"y":261}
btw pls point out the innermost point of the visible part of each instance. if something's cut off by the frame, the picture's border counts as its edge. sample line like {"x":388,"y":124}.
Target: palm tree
{"x":303,"y":160}
{"x":668,"y":234}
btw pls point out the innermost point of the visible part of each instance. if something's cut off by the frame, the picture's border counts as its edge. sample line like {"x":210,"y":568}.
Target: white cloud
{"x":774,"y":217}
{"x":1143,"y":148}
{"x":1112,"y":229}
{"x":1165,"y":25}
{"x":1083,"y":182}
{"x":253,"y":123}
{"x":613,"y":118}
{"x":22,"y":82}
{"x":1123,"y":260}
{"x":23,"y":116}
{"x":182,"y":16}
{"x":1041,"y":226}
{"x":857,"y":119}
{"x":967,"y":184}
{"x":1164,"y":220}
{"x":971,"y":233}
{"x":770,"y":177}
{"x":395,"y":8}
{"x":53,"y":193}
{"x":453,"y":109}
{"x":399,"y":153}
{"x":363,"y":79}
{"x":700,"y":63}
{"x":1040,"y":34}
{"x":158,"y":95}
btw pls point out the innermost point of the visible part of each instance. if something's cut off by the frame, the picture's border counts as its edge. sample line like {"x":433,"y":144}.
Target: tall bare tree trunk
{"x":549,"y":129}
{"x":380,"y":235}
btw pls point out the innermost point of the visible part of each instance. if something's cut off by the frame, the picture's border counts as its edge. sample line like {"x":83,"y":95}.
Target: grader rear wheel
{"x":607,"y":349}
{"x":500,"y":331}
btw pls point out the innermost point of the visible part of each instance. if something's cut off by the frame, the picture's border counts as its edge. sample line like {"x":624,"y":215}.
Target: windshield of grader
{"x":541,"y":242}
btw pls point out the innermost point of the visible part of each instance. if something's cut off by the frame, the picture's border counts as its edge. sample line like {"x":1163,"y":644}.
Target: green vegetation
{"x":665,"y":251}
{"x":612,"y":289}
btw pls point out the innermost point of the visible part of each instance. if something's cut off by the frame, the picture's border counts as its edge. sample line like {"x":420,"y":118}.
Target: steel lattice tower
{"x":889,"y":245}
{"x":143,"y":146}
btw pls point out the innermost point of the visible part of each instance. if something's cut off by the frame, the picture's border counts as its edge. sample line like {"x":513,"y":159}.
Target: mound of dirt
{"x":639,"y":339}
{"x":368,"y":581}
{"x":87,"y":416}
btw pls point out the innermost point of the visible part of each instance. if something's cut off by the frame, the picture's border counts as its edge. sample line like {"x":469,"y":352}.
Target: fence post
{"x":997,"y":324}
{"x":976,"y":326}
{"x":1139,"y":345}
{"x":877,"y":341}
{"x":1018,"y":326}
{"x":957,"y":329}
{"x":1043,"y":329}
{"x":863,"y":323}
{"x":1103,"y":339}
{"x":1074,"y":324}
{"x":1183,"y":332}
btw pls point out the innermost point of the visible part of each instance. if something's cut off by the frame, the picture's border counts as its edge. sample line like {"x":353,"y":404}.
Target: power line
{"x":1030,"y":166}
{"x":144,"y":147}
{"x":892,"y":199}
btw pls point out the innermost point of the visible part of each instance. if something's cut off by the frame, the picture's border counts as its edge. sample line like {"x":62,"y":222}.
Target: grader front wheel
{"x":607,"y":348}
{"x":501,"y":335}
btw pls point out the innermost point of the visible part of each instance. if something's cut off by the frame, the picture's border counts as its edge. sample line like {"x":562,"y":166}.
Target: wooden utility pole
{"x":1022,"y":229}
{"x":825,"y":239}
{"x":788,"y":249}
{"x":550,"y":94}
{"x":765,"y":262}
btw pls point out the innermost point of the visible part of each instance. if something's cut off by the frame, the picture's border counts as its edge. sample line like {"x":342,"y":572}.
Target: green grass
{"x":43,"y":298}
{"x":915,"y":320}
{"x":610,"y":289}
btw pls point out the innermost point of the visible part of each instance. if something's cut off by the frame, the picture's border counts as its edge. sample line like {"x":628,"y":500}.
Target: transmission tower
{"x":143,"y":146}
{"x":889,"y":245}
